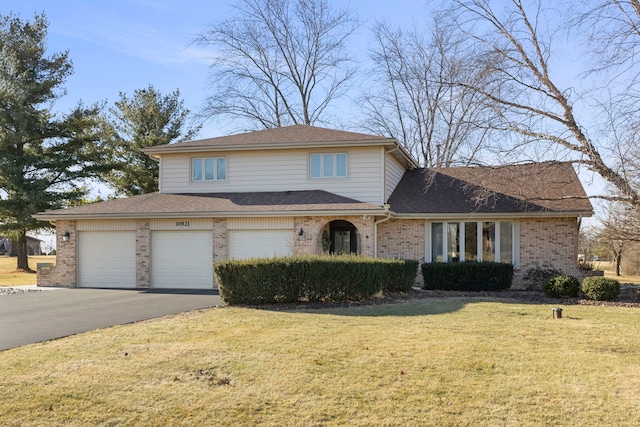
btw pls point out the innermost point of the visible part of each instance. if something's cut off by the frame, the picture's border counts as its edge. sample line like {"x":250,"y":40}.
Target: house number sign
{"x":182,"y":224}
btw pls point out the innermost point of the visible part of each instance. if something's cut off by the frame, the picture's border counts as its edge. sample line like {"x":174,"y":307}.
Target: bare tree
{"x":416,"y":100}
{"x":517,"y":39}
{"x":620,"y":229}
{"x":278,"y":62}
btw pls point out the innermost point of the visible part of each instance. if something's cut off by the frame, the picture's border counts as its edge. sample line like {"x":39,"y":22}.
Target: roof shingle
{"x":296,"y":134}
{"x":535,"y":187}
{"x":156,"y":204}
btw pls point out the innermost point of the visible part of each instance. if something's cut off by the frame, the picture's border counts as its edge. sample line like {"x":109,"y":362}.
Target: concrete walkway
{"x":31,"y":317}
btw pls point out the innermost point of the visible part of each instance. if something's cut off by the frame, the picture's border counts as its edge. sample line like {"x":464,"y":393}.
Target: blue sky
{"x":124,"y":45}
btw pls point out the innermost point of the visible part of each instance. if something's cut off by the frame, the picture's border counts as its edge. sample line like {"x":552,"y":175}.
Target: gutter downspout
{"x":375,"y":231}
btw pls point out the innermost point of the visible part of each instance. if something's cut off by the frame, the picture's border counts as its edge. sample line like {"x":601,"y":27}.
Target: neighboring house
{"x":10,"y":247}
{"x":5,"y":246}
{"x":304,"y":189}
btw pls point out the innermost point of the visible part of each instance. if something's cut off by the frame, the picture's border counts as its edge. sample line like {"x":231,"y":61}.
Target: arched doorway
{"x":345,"y":238}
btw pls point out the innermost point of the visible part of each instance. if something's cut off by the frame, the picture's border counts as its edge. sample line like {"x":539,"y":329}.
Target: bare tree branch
{"x":278,"y":62}
{"x":417,"y":101}
{"x":523,"y":90}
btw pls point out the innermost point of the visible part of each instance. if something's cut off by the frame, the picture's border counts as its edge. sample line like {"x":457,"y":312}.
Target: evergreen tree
{"x":43,"y":157}
{"x":145,"y":120}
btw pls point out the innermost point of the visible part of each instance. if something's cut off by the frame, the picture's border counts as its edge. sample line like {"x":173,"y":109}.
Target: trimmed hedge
{"x":467,"y":276}
{"x":561,"y":286}
{"x":311,"y":278}
{"x":600,"y":288}
{"x":401,"y":275}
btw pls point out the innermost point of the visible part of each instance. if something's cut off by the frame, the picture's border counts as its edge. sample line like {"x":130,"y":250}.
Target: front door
{"x":345,"y":238}
{"x":342,"y":241}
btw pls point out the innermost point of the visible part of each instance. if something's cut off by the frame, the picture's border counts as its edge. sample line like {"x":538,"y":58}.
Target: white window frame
{"x":335,"y":165}
{"x":202,"y":161}
{"x":515,"y":239}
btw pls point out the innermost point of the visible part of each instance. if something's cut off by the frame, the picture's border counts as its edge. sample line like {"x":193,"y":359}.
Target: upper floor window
{"x":209,"y":169}
{"x":329,"y":165}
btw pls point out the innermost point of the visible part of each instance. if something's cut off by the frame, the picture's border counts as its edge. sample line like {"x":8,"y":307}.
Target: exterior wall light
{"x":66,"y":236}
{"x":300,"y":234}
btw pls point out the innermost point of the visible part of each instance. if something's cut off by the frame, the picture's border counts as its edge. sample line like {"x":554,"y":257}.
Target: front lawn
{"x":9,"y":276}
{"x":440,"y":362}
{"x":610,"y":271}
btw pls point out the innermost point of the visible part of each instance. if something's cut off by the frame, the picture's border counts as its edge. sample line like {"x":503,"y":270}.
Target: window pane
{"x":506,"y":241}
{"x":488,"y":241}
{"x":208,"y":169}
{"x":436,"y":242}
{"x":328,"y":165}
{"x":341,"y":160}
{"x":315,"y":166}
{"x":453,"y":247}
{"x":470,"y":241}
{"x":197,"y":169}
{"x":221,"y":168}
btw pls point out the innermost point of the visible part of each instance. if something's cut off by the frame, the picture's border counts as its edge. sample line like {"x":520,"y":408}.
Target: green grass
{"x":9,"y":276}
{"x":448,"y":362}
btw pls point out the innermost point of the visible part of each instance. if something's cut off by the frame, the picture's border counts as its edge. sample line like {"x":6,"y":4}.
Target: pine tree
{"x":145,"y":120}
{"x":44,"y":157}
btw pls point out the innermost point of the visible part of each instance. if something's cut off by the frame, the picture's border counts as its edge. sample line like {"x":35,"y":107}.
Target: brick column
{"x":65,"y":272}
{"x":220,"y":242}
{"x":143,"y":257}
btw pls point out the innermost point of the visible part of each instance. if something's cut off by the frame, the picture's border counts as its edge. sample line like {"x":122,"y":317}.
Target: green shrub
{"x":536,"y":276}
{"x":600,"y":288}
{"x":467,"y":276}
{"x":310,"y":278}
{"x":400,"y":276}
{"x":561,"y":286}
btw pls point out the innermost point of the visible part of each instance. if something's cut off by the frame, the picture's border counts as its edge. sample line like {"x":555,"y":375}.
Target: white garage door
{"x":259,"y":243}
{"x":182,"y":259}
{"x":107,"y":259}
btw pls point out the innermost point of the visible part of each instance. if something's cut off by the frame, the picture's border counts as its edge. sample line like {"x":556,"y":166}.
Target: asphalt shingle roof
{"x":296,"y":134}
{"x":155,"y":204}
{"x":535,"y":187}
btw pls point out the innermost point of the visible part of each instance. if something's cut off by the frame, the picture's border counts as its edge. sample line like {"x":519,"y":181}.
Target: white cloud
{"x":152,"y":37}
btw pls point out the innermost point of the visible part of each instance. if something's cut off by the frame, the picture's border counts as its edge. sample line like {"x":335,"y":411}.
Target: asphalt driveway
{"x":40,"y":316}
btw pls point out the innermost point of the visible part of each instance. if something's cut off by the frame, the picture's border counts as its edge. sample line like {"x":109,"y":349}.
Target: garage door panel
{"x":107,"y":259}
{"x":245,"y":244}
{"x":182,"y":259}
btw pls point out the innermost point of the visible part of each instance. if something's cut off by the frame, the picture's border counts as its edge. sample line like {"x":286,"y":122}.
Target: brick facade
{"x":65,"y":272}
{"x":546,"y":242}
{"x":402,"y":239}
{"x":315,"y":227}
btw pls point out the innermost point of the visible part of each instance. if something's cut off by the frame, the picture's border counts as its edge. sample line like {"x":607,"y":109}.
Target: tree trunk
{"x":23,"y":260}
{"x":618,"y":260}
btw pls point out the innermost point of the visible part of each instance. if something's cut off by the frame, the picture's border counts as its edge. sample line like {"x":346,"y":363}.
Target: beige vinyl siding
{"x":285,"y":223}
{"x":106,"y":225}
{"x":393,"y":171}
{"x":182,"y":224}
{"x":280,"y":170}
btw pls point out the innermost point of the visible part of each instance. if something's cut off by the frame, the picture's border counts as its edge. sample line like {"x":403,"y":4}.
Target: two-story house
{"x":304,"y":189}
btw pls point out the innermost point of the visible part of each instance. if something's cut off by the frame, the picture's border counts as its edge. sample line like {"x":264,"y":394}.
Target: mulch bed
{"x":533,"y":297}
